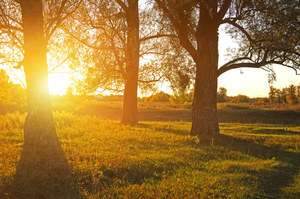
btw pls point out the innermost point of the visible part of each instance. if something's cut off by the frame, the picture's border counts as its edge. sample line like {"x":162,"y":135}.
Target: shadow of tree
{"x":163,"y":129}
{"x":275,"y":132}
{"x":259,"y":116}
{"x":42,"y":172}
{"x":270,"y":183}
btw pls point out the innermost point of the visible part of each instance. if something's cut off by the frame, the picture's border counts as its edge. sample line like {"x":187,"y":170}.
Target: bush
{"x":240,"y":99}
{"x":158,"y":97}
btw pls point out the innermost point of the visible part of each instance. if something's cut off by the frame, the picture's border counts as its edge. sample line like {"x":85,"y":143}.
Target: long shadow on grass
{"x":275,"y":132}
{"x":270,"y":182}
{"x":47,"y":177}
{"x":123,"y":175}
{"x":56,"y":185}
{"x":164,"y":129}
{"x":259,"y":116}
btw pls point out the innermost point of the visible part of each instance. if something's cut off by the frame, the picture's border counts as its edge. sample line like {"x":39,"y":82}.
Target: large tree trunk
{"x":42,"y":171}
{"x":130,"y":113}
{"x":204,"y":113}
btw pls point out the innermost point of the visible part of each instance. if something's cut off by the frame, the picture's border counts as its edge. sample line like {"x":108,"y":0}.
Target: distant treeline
{"x":14,"y":95}
{"x":288,"y":95}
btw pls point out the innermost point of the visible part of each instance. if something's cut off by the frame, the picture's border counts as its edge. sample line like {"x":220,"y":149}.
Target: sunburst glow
{"x":58,"y":83}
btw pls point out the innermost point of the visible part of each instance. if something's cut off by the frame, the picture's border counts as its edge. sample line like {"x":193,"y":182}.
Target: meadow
{"x":256,"y":156}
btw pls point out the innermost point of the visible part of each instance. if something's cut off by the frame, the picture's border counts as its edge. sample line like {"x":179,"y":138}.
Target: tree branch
{"x":123,"y":5}
{"x":235,"y":60}
{"x":11,"y":27}
{"x":59,"y":19}
{"x":224,"y":8}
{"x":238,"y":65}
{"x":240,"y":28}
{"x":87,"y":44}
{"x":157,"y":36}
{"x":180,"y":29}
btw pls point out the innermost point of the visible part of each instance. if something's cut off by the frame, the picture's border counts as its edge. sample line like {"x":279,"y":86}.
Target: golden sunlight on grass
{"x":158,"y":159}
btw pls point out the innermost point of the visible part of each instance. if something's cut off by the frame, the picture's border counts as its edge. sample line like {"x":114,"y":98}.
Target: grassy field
{"x":256,"y":156}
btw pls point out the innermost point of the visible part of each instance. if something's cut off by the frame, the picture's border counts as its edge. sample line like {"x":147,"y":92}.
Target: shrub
{"x":240,"y":99}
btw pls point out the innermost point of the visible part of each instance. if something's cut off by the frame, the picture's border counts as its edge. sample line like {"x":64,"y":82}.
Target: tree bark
{"x":130,"y":112}
{"x":43,"y":171}
{"x":204,"y":113}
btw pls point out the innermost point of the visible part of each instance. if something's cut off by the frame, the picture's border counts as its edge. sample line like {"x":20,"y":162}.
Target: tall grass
{"x":160,"y":159}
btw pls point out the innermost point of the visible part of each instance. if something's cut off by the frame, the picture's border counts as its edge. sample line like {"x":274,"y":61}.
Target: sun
{"x":58,"y":83}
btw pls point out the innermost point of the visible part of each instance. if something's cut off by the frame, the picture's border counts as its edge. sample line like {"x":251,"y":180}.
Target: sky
{"x":245,"y":81}
{"x":250,"y":81}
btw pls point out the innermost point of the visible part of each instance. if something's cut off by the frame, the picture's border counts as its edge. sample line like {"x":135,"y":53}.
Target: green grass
{"x":158,"y":159}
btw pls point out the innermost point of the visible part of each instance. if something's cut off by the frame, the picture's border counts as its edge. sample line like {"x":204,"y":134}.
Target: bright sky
{"x":59,"y":82}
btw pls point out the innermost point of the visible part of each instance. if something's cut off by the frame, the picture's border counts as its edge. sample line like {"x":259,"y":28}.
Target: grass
{"x":158,"y":158}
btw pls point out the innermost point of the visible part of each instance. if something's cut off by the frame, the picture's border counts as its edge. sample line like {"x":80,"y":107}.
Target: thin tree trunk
{"x":204,"y":113}
{"x":130,"y":113}
{"x":42,"y":171}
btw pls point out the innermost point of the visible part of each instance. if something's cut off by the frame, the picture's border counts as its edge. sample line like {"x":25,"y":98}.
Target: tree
{"x":222,"y":95}
{"x":278,"y":95}
{"x":268,"y":35}
{"x":272,"y":94}
{"x":291,"y":97}
{"x":241,"y":99}
{"x":158,"y":97}
{"x":132,"y":53}
{"x":43,"y":171}
{"x":42,"y":153}
{"x":5,"y":87}
{"x":283,"y":95}
{"x":298,"y":94}
{"x":119,"y":35}
{"x":9,"y":92}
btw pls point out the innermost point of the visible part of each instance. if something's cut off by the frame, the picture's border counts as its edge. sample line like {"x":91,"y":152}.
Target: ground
{"x":256,"y":155}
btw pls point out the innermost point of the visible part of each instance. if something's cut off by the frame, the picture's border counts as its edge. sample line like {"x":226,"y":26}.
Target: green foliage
{"x":10,"y":93}
{"x":288,"y":95}
{"x":272,"y":94}
{"x":182,"y":98}
{"x":158,"y":97}
{"x":240,"y":99}
{"x":261,"y":100}
{"x":5,"y":87}
{"x":160,"y":159}
{"x":222,"y":95}
{"x":291,"y":97}
{"x":298,"y":93}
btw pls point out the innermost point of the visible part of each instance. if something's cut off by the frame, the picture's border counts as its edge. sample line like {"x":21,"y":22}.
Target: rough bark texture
{"x":130,"y":113}
{"x":204,"y":113}
{"x":42,"y":171}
